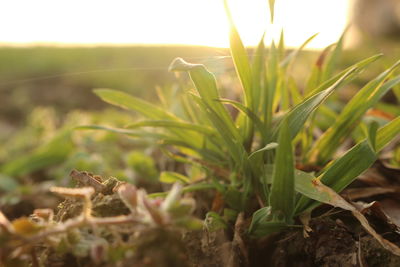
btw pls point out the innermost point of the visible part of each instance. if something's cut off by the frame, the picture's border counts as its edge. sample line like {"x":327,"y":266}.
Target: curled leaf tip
{"x":179,"y":64}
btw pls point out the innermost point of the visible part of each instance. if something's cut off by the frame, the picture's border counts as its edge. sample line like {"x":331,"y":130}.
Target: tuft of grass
{"x":252,"y":155}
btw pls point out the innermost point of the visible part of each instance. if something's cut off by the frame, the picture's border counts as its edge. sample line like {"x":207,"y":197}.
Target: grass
{"x":272,"y":110}
{"x":252,"y":146}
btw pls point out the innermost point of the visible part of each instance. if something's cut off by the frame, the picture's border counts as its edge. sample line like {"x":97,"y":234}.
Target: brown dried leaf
{"x":364,"y":192}
{"x":154,"y":212}
{"x":46,"y":214}
{"x":86,"y":179}
{"x":82,"y":192}
{"x":128,"y":194}
{"x":337,"y":201}
{"x":305,"y":220}
{"x":5,"y":223}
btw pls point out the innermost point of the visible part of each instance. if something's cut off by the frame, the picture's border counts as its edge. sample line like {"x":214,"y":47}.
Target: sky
{"x":190,"y":22}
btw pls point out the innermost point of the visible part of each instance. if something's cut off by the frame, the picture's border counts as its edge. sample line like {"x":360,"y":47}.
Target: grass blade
{"x":333,"y":58}
{"x":360,"y":67}
{"x":369,"y":95}
{"x":299,"y":114}
{"x":272,"y":9}
{"x":173,"y":124}
{"x":253,"y":117}
{"x":126,"y":101}
{"x":54,"y":152}
{"x":244,"y":72}
{"x":282,"y":190}
{"x":258,"y":71}
{"x":387,"y":133}
{"x":173,"y":177}
{"x":346,"y":169}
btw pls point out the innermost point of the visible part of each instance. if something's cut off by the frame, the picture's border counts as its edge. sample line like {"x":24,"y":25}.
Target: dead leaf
{"x":364,"y":192}
{"x":337,"y":201}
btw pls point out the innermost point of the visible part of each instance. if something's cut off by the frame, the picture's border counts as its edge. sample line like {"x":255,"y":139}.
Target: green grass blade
{"x":272,"y":9}
{"x":289,"y":60}
{"x":258,"y":71}
{"x":173,"y":124}
{"x":207,"y":88}
{"x":387,"y":133}
{"x":126,"y":101}
{"x":333,"y":58}
{"x":244,"y":72}
{"x":54,"y":152}
{"x":271,"y":85}
{"x":281,"y":45}
{"x":173,"y":177}
{"x":265,"y":148}
{"x":360,"y":67}
{"x":343,"y":171}
{"x":253,"y":117}
{"x":263,"y":224}
{"x":240,"y":59}
{"x":372,"y":131}
{"x":316,"y":74}
{"x":340,"y":173}
{"x":282,"y":190}
{"x":122,"y":131}
{"x":186,"y":189}
{"x":233,"y":144}
{"x":369,"y":95}
{"x":299,"y":114}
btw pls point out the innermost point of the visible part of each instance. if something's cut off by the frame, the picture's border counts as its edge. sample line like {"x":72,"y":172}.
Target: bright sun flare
{"x":191,"y":22}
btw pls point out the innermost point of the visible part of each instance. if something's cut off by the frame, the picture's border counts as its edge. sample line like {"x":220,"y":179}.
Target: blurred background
{"x":53,"y":53}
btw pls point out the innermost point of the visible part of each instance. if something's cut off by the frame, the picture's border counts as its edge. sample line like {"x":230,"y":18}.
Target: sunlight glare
{"x":189,"y":22}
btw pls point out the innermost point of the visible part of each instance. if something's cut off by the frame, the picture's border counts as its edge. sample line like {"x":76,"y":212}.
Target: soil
{"x":331,"y":243}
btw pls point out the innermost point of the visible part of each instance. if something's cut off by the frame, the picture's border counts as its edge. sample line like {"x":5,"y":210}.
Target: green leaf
{"x":333,"y":58}
{"x":265,"y":148}
{"x":360,"y":66}
{"x":327,"y":144}
{"x":372,"y":131}
{"x":49,"y":154}
{"x":258,"y":71}
{"x":186,"y":189}
{"x":207,"y":88}
{"x":8,"y":184}
{"x":253,"y":117}
{"x":272,"y":9}
{"x":216,"y":112}
{"x":298,"y":115}
{"x":240,"y":59}
{"x":244,"y":72}
{"x":173,"y":177}
{"x":173,"y":124}
{"x":126,"y":101}
{"x":233,"y":198}
{"x":341,"y":172}
{"x":282,"y":190}
{"x":316,"y":74}
{"x":214,"y":222}
{"x":288,"y":61}
{"x":263,"y":223}
{"x":122,"y":131}
{"x":387,"y":133}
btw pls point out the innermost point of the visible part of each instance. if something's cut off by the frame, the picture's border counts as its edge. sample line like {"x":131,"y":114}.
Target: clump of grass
{"x":252,"y":156}
{"x":256,"y":160}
